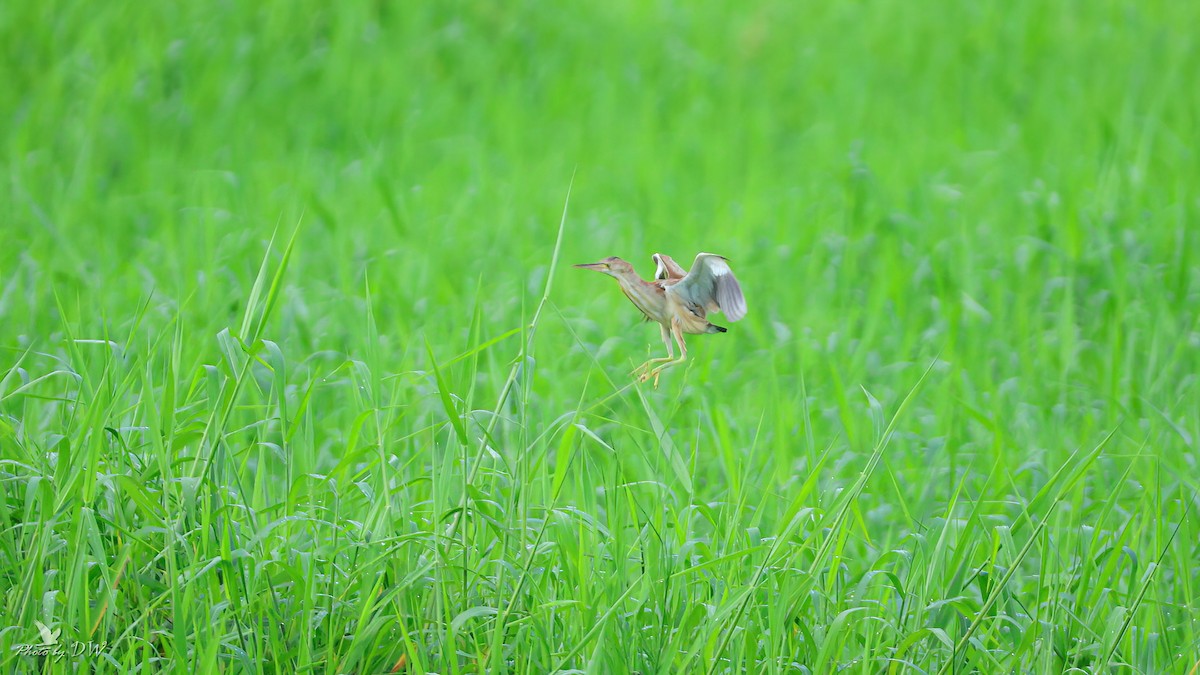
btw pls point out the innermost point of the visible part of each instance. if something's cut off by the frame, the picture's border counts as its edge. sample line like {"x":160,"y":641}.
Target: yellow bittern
{"x":678,"y":300}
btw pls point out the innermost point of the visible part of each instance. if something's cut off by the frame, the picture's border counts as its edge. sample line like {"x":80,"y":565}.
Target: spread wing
{"x":711,"y":285}
{"x":667,"y":268}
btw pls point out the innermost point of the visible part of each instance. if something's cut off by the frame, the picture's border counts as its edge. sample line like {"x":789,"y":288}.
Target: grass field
{"x":296,"y":377}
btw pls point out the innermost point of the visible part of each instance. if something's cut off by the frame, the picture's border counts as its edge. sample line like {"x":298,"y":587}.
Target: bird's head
{"x":612,"y":266}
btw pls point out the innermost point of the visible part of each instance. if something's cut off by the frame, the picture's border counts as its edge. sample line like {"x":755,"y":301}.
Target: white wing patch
{"x":718,"y":266}
{"x":712,"y":285}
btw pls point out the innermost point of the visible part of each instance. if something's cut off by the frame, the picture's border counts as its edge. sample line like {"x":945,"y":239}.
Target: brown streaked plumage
{"x":678,"y":301}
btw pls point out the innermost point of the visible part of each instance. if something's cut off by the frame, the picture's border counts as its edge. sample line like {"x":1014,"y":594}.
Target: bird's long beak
{"x":598,"y":266}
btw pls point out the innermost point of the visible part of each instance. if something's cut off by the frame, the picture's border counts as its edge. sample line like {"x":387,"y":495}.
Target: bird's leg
{"x":677,"y":332}
{"x":666,"y":338}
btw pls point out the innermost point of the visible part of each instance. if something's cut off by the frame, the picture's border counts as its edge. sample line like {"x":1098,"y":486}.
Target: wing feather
{"x":666,"y":268}
{"x":712,"y":285}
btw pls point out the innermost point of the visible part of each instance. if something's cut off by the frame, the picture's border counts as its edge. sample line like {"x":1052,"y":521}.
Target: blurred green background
{"x":1004,"y":190}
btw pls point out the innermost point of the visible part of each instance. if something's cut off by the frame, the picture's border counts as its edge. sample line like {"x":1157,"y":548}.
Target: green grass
{"x":295,"y":375}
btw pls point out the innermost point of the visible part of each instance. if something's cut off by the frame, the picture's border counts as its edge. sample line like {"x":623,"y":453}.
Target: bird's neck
{"x":632,"y":282}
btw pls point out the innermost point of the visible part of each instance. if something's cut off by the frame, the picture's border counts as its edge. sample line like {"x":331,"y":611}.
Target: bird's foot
{"x":650,"y":374}
{"x":644,"y":371}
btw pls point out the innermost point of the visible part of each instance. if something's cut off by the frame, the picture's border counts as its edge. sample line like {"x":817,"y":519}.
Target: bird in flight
{"x":677,"y":300}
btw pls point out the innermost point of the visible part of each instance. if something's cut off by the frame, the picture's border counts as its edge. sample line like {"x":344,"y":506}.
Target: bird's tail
{"x":714,"y":328}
